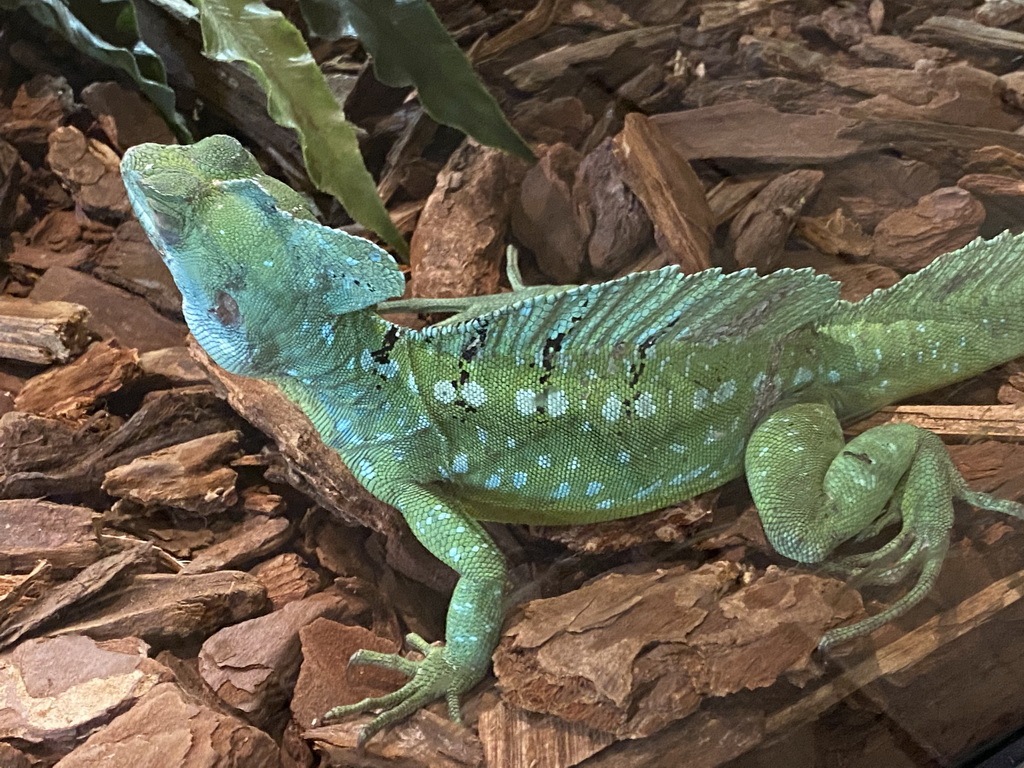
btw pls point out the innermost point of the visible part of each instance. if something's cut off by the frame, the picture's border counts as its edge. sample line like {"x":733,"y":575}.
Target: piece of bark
{"x":457,"y":247}
{"x":167,"y":728}
{"x":14,"y":588}
{"x":11,"y":172}
{"x":515,"y":737}
{"x":552,"y":121}
{"x":958,"y":94}
{"x":75,"y":389}
{"x":669,"y":189}
{"x":895,"y":51}
{"x":544,"y":216}
{"x":310,"y":466}
{"x":672,"y":524}
{"x":286,"y":578}
{"x":257,"y":500}
{"x":173,"y":365}
{"x":114,"y":313}
{"x":834,"y":234}
{"x":256,"y":537}
{"x":13,"y":758}
{"x":758,"y":234}
{"x":872,"y":186}
{"x":253,"y":665}
{"x":942,"y":145}
{"x":629,"y":654}
{"x":617,"y":229}
{"x":535,"y":73}
{"x":942,"y":221}
{"x":192,"y":476}
{"x":37,"y":530}
{"x":423,"y":740}
{"x":991,"y":184}
{"x":128,"y":118}
{"x":57,"y":600}
{"x":168,"y":609}
{"x":57,"y":690}
{"x":38,"y":108}
{"x":56,"y":240}
{"x":42,"y":457}
{"x":92,"y":171}
{"x":131,"y":262}
{"x":42,"y":332}
{"x":748,"y":129}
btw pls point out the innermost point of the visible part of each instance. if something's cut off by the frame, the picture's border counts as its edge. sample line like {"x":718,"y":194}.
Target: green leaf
{"x":410,"y":46}
{"x":298,"y":97}
{"x":106,"y":31}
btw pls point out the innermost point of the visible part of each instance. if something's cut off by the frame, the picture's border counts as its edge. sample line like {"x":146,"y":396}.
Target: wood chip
{"x":669,"y":189}
{"x":42,"y":332}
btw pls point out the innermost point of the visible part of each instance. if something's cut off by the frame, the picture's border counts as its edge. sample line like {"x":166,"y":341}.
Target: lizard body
{"x":587,"y":403}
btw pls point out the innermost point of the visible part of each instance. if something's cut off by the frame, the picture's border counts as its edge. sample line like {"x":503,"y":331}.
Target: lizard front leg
{"x":474,"y":615}
{"x":813,"y":492}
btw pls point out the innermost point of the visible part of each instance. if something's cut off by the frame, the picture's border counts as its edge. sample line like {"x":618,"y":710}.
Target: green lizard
{"x":587,"y":403}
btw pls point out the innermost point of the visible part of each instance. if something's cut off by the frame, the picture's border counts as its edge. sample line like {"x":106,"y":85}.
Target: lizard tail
{"x":957,"y":317}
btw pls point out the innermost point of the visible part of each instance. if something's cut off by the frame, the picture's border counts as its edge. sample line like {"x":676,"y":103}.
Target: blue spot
{"x":492,"y":482}
{"x":594,"y":488}
{"x":518,"y":479}
{"x":561,"y":491}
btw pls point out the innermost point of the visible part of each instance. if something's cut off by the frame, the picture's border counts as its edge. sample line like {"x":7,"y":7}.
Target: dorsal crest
{"x":647,"y":309}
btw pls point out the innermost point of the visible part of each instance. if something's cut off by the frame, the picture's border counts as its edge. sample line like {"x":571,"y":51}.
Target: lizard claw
{"x":430,"y":678}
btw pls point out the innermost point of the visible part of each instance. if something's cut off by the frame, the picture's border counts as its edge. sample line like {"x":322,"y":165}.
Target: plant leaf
{"x":298,"y":97}
{"x":410,"y":46}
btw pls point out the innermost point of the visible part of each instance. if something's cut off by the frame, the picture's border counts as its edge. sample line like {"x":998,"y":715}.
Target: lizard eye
{"x":226,"y":309}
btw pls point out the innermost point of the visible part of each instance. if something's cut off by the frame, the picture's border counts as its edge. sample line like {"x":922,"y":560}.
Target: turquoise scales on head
{"x":571,"y":405}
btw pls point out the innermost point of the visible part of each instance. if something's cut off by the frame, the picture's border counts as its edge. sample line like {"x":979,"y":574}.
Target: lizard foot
{"x":430,"y":678}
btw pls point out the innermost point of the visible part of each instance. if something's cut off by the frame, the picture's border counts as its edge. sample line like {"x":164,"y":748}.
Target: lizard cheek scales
{"x":556,"y":406}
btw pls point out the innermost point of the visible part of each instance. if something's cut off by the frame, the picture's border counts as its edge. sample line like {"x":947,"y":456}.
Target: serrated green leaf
{"x":410,"y":46}
{"x":298,"y":97}
{"x":106,"y":31}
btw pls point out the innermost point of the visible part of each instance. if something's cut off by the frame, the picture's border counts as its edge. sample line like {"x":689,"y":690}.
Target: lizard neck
{"x":352,"y":377}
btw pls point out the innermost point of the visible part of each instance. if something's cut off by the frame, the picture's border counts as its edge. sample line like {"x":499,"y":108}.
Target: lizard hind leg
{"x":813,"y":493}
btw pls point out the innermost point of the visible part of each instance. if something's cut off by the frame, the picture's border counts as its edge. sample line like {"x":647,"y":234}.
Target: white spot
{"x":327,"y":332}
{"x":444,"y":391}
{"x":594,"y":488}
{"x":803,"y":375}
{"x":526,"y":402}
{"x":544,"y":460}
{"x":481,"y":434}
{"x":677,"y":448}
{"x":624,"y":456}
{"x":612,"y":408}
{"x":366,"y":360}
{"x":574,"y":463}
{"x":604,"y":504}
{"x":460,"y":463}
{"x":558,"y":403}
{"x":518,"y":479}
{"x":832,"y":376}
{"x":644,"y":405}
{"x":510,"y":442}
{"x":700,"y":399}
{"x":474,"y":394}
{"x":453,"y":553}
{"x":726,"y":390}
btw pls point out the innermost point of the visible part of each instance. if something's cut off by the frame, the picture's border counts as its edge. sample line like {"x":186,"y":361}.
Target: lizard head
{"x":245,"y":250}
